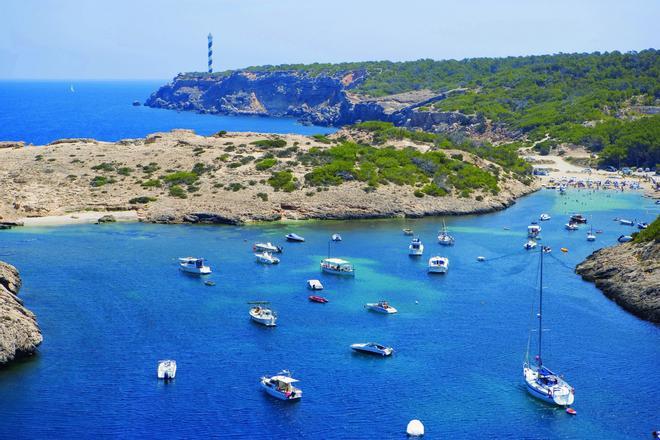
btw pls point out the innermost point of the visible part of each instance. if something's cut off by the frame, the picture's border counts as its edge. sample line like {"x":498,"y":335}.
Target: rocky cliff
{"x":629,"y":274}
{"x":19,"y":332}
{"x":321,"y":99}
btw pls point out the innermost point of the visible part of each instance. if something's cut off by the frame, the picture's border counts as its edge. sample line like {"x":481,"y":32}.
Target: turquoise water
{"x":39,"y":112}
{"x":111,"y":302}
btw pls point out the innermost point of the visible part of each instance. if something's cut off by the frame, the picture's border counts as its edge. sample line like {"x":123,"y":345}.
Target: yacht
{"x":281,"y":386}
{"x":642,"y":225}
{"x":625,"y":222}
{"x":267,"y":247}
{"x":541,"y":382}
{"x":444,"y":238}
{"x":544,"y":217}
{"x":438,"y":265}
{"x":337,"y":266}
{"x":373,"y":348}
{"x":624,"y":238}
{"x":531,"y":244}
{"x":166,"y":369}
{"x":571,"y":226}
{"x":266,"y":258}
{"x":194,"y":265}
{"x":294,"y":237}
{"x":381,"y":307}
{"x":262,"y":314}
{"x":416,"y":247}
{"x":533,"y":230}
{"x":336,"y":237}
{"x":314,"y":285}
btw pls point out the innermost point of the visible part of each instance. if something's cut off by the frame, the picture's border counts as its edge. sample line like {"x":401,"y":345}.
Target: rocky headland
{"x":629,"y":274}
{"x":234,"y":178}
{"x":19,"y":333}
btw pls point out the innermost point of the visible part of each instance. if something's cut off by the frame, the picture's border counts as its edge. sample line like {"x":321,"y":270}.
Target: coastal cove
{"x":110,"y":302}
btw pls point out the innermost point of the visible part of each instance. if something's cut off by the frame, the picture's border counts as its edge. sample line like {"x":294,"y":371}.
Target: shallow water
{"x":111,"y":302}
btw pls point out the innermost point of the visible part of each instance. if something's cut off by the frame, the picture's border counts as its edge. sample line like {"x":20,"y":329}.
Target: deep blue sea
{"x":111,"y":303}
{"x":39,"y":112}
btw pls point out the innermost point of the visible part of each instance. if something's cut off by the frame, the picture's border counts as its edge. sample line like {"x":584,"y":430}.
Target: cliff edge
{"x":19,"y":332}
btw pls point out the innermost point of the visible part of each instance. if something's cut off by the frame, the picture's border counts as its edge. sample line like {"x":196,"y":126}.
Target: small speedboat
{"x":438,"y":265}
{"x":407,"y":231}
{"x":373,"y":348}
{"x":626,"y":222}
{"x":281,"y":386}
{"x":318,"y":299}
{"x":381,"y":307}
{"x":194,"y":265}
{"x":166,"y":369}
{"x":481,"y":258}
{"x":531,"y":244}
{"x":267,"y":247}
{"x":624,"y":238}
{"x":416,"y":247}
{"x":578,"y":218}
{"x":294,"y":237}
{"x":266,"y":258}
{"x":337,"y":266}
{"x":533,"y":230}
{"x":642,"y":225}
{"x":544,"y":217}
{"x":571,"y":226}
{"x":314,"y":285}
{"x":262,"y":314}
{"x":336,"y":237}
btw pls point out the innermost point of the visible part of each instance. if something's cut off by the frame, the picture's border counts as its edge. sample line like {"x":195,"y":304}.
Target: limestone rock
{"x":107,"y":219}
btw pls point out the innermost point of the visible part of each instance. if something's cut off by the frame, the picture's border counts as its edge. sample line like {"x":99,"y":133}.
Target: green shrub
{"x":104,"y":166}
{"x":177,"y":191}
{"x":263,"y":196}
{"x":322,"y":138}
{"x":282,"y":180}
{"x":151,"y":168}
{"x":125,"y":171}
{"x":152,"y":183}
{"x":142,"y":200}
{"x":180,"y":177}
{"x":265,"y":164}
{"x":101,"y":180}
{"x":270,"y":143}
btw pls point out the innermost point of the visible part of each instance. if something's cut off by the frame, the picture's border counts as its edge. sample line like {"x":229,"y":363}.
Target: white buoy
{"x":481,"y":258}
{"x":415,"y":428}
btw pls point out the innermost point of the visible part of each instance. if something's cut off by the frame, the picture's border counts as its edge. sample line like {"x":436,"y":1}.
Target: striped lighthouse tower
{"x":210,"y":37}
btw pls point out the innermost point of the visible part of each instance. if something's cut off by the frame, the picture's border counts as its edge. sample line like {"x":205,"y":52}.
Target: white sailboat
{"x":541,"y":382}
{"x":444,"y":238}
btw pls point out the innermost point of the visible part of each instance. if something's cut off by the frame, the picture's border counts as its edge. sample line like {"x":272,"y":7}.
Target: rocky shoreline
{"x":628,"y":274}
{"x":19,"y":332}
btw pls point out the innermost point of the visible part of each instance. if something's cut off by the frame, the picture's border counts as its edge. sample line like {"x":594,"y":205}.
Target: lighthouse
{"x":210,"y":37}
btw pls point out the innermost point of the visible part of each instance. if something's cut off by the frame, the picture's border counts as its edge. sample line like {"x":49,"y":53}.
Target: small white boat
{"x":590,"y":235}
{"x":381,"y":307}
{"x":624,"y":238}
{"x":571,"y":226}
{"x":194,"y":265}
{"x":544,"y":217}
{"x":407,"y":231}
{"x":294,"y":237}
{"x":166,"y":369}
{"x":481,"y":258}
{"x":533,"y":230}
{"x":531,"y":244}
{"x":444,"y":238}
{"x":415,"y":428}
{"x":267,"y":247}
{"x":416,"y":247}
{"x":625,"y":222}
{"x":314,"y":285}
{"x":262,"y":314}
{"x":281,"y":386}
{"x":373,"y":348}
{"x":337,"y":266}
{"x":266,"y":258}
{"x":438,"y":264}
{"x":642,"y":225}
{"x":336,"y":237}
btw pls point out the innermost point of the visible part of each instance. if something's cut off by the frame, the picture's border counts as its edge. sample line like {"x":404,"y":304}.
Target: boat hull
{"x":560,"y":395}
{"x":374,"y":352}
{"x":196,"y":271}
{"x":338,"y":272}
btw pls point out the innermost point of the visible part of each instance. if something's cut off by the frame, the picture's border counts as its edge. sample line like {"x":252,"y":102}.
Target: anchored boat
{"x":544,"y":217}
{"x":281,"y":386}
{"x":381,"y":307}
{"x":314,"y":285}
{"x":262,"y":314}
{"x":166,"y":369}
{"x":416,"y":247}
{"x":438,"y":264}
{"x":266,"y":258}
{"x":337,"y":266}
{"x":531,"y":244}
{"x":267,"y":247}
{"x":294,"y":237}
{"x":194,"y":265}
{"x":533,"y":230}
{"x":373,"y":348}
{"x":336,"y":237}
{"x":444,"y":238}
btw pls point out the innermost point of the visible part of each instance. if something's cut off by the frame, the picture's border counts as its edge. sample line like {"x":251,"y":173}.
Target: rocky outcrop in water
{"x":19,"y":332}
{"x":318,"y":99}
{"x":629,"y":274}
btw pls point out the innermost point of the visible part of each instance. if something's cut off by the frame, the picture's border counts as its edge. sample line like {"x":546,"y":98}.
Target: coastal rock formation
{"x":19,"y":332}
{"x":629,"y":274}
{"x":322,"y":99}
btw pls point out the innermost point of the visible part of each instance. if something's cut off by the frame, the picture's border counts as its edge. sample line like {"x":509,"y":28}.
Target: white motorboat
{"x":544,"y":217}
{"x":294,"y":237}
{"x":194,"y":265}
{"x":642,"y":225}
{"x":533,"y":230}
{"x":381,"y":307}
{"x":438,"y":264}
{"x":571,"y":226}
{"x":624,"y":238}
{"x":481,"y":258}
{"x":262,"y":314}
{"x":373,"y":348}
{"x":416,"y":247}
{"x":281,"y":386}
{"x":407,"y":231}
{"x":314,"y":285}
{"x":541,"y":382}
{"x":166,"y":369}
{"x":337,"y":266}
{"x":266,"y":258}
{"x":336,"y":237}
{"x":267,"y":247}
{"x":531,"y":244}
{"x":626,"y":222}
{"x":444,"y":238}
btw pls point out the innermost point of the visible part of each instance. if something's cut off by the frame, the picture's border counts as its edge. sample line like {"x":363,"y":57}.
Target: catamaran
{"x":541,"y":382}
{"x":444,"y":238}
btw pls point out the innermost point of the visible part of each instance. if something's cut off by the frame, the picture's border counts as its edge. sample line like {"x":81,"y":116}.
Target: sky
{"x":156,"y":39}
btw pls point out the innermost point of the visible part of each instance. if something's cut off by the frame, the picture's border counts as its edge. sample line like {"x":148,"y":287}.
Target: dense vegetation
{"x":649,"y":234}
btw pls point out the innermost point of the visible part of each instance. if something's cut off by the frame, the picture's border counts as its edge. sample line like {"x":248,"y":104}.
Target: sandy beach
{"x":74,"y":218}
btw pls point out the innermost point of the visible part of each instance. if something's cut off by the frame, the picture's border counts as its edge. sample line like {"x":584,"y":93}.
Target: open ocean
{"x":40,"y":112}
{"x":111,"y":302}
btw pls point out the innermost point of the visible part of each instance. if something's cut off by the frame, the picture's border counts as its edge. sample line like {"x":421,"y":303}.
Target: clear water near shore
{"x":40,"y":112}
{"x":111,"y":302}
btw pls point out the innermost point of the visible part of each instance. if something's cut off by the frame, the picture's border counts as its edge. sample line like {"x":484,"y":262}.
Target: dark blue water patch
{"x":39,"y":112}
{"x":111,"y":302}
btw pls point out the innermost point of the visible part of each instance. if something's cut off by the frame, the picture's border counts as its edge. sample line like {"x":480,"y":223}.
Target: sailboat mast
{"x":540,"y":308}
